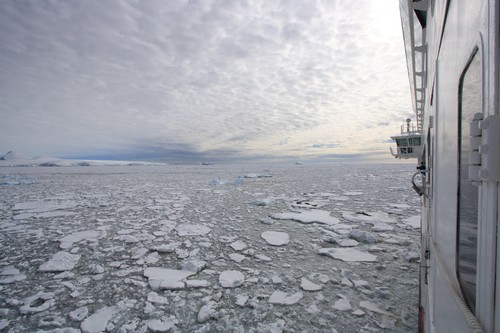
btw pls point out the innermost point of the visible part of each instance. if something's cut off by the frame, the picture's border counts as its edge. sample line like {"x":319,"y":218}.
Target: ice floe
{"x":231,"y":279}
{"x":284,"y":298}
{"x":348,"y":254}
{"x":308,"y":216}
{"x":88,"y":235}
{"x":59,"y":262}
{"x":413,"y":221}
{"x":276,"y":238}
{"x":98,"y":321}
{"x":166,"y":278}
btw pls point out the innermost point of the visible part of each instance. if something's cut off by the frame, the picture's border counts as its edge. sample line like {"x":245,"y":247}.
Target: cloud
{"x":205,"y":76}
{"x":324,"y":145}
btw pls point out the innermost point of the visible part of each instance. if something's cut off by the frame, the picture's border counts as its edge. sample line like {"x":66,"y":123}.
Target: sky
{"x":194,"y":81}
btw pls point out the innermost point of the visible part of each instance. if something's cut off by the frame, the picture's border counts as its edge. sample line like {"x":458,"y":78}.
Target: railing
{"x":406,"y":152}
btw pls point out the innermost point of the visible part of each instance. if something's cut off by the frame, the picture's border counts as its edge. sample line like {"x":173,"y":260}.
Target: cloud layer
{"x":221,"y":80}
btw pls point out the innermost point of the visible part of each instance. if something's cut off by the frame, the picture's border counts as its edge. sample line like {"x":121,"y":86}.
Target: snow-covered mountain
{"x":14,"y":159}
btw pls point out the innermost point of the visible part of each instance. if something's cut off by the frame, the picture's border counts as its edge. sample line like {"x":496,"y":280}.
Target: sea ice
{"x":347,"y":254}
{"x":231,"y":279}
{"x":413,"y":221}
{"x":238,"y":245}
{"x":197,"y":283}
{"x":59,"y":262}
{"x":308,"y":216}
{"x":280,"y":297}
{"x":4,"y":322}
{"x":342,"y":305}
{"x":241,"y":300}
{"x":207,"y":311}
{"x":382,"y":227}
{"x":275,"y":237}
{"x":193,"y":265}
{"x":166,"y":278}
{"x":169,"y":215}
{"x":369,"y":217}
{"x":237,"y":257}
{"x":362,"y":236}
{"x":187,"y":229}
{"x":98,"y":321}
{"x":307,"y":285}
{"x":11,"y":275}
{"x":155,"y":298}
{"x":374,"y":308}
{"x":79,"y":314}
{"x":90,"y":235}
{"x":163,"y":325}
{"x":37,"y":303}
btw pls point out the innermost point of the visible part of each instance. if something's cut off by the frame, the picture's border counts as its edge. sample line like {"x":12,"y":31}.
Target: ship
{"x":452,"y":54}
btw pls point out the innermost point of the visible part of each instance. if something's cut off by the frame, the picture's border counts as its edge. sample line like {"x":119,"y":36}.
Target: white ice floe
{"x":362,"y":236}
{"x":369,"y":217}
{"x":238,"y":245}
{"x":353,"y":193}
{"x":241,"y":300}
{"x":187,"y":229}
{"x":197,"y":284}
{"x":348,"y":254}
{"x":163,"y":325}
{"x":193,"y":265}
{"x":347,"y":242}
{"x":261,"y":202}
{"x":396,"y":205}
{"x":342,"y":304}
{"x":79,"y":314}
{"x":237,"y":257}
{"x":89,"y":235}
{"x":396,"y":240}
{"x":10,"y":275}
{"x":166,"y":278}
{"x":231,"y":279}
{"x":59,"y":262}
{"x":262,"y":257}
{"x":43,"y":206}
{"x":308,"y":216}
{"x":98,"y":321}
{"x":307,"y":285}
{"x":39,"y":302}
{"x":276,"y":279}
{"x":207,"y":311}
{"x":257,"y":175}
{"x":155,"y":298}
{"x":276,"y":238}
{"x":413,"y":221}
{"x":374,"y":308}
{"x":382,"y":227}
{"x":276,"y":327}
{"x":283,"y":298}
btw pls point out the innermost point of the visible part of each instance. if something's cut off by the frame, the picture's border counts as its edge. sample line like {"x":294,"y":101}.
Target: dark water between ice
{"x":77,"y":244}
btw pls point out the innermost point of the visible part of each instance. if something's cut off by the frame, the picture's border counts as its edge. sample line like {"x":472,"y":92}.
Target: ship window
{"x":414,"y":141}
{"x":470,"y":102}
{"x":402,"y":142}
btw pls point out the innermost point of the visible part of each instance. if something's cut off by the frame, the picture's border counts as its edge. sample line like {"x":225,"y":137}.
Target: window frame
{"x":470,"y":298}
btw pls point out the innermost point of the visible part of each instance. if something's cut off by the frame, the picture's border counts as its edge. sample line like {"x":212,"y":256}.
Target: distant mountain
{"x":12,"y":159}
{"x":12,"y":155}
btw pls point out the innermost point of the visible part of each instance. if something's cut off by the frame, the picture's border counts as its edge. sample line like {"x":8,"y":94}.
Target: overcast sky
{"x":202,"y":80}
